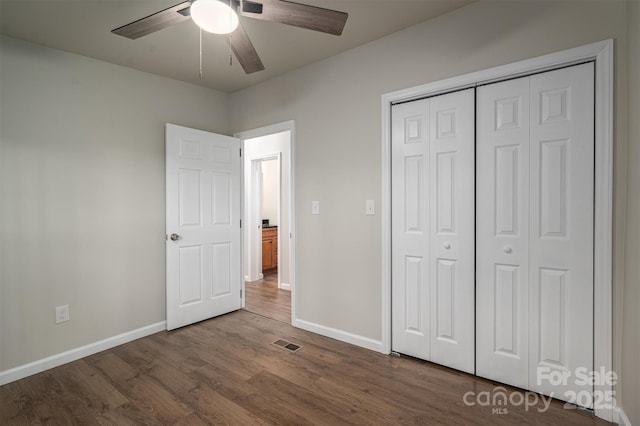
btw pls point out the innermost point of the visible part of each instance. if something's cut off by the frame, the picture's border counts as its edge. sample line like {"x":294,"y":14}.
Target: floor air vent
{"x":291,"y":347}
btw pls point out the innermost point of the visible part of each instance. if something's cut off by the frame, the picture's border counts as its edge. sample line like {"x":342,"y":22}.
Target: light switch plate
{"x":370,"y":208}
{"x":315,"y":207}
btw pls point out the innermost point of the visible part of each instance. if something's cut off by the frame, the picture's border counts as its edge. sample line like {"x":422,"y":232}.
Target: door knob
{"x":447,"y":245}
{"x":174,"y":237}
{"x":507,"y":249}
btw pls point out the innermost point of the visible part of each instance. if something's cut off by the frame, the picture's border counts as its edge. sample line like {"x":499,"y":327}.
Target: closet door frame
{"x":602,"y":55}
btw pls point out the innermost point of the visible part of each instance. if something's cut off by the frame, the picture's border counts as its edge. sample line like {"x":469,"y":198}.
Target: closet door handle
{"x":508,"y":249}
{"x":447,"y":245}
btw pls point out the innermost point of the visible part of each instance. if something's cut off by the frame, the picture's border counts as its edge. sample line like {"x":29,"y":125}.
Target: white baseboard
{"x":285,"y":286}
{"x":334,"y":333}
{"x":22,"y":371}
{"x":621,"y":418}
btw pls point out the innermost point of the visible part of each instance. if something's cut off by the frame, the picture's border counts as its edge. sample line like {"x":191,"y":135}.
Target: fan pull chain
{"x":200,"y":53}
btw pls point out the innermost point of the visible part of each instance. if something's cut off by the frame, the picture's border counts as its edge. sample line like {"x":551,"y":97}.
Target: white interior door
{"x":535,"y":232}
{"x":502,"y":232}
{"x":562,"y":200}
{"x":433,"y":229}
{"x":410,"y":228}
{"x":203,"y":225}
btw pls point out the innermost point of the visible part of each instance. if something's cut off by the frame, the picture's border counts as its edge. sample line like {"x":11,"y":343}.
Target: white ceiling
{"x":84,"y":27}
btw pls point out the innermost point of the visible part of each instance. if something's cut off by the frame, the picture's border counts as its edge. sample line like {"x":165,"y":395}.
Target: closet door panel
{"x":452,"y":162}
{"x":410,"y":229}
{"x":561,"y":268}
{"x":502,"y":231}
{"x":433,"y":229}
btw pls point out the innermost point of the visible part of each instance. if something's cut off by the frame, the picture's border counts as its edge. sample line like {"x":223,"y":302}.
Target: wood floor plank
{"x":263,"y":297}
{"x":142,"y":390}
{"x":217,"y":352}
{"x":231,"y":386}
{"x":308,"y":404}
{"x":216,"y":409}
{"x":173,"y":379}
{"x":191,"y":420}
{"x":114,"y":368}
{"x":226,"y":371}
{"x":152,"y":398}
{"x":92,"y":386}
{"x":128,"y":415}
{"x":17,"y":403}
{"x":64,"y":403}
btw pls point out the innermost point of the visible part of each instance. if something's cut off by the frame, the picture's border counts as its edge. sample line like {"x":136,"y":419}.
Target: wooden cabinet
{"x":269,"y":250}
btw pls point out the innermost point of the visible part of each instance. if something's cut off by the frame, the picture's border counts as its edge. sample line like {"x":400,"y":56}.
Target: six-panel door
{"x":433,"y":228}
{"x":203,"y":213}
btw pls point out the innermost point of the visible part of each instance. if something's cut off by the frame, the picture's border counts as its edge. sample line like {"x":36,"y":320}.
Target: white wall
{"x":260,"y":147}
{"x":82,"y":195}
{"x":631,"y":321}
{"x":270,"y":185}
{"x":82,"y":172}
{"x":336,"y":107}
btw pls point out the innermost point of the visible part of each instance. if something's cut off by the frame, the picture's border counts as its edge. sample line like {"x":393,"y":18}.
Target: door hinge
{"x":240,"y":293}
{"x":240,"y":152}
{"x":240,"y":223}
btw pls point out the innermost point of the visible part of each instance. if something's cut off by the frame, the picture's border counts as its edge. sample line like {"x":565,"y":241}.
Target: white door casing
{"x":254,"y":182}
{"x":254,"y":228}
{"x":433,"y":229}
{"x":287,"y":222}
{"x":203,"y":211}
{"x":535,"y":231}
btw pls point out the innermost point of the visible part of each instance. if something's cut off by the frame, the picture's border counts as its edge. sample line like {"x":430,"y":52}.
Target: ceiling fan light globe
{"x":214,"y":16}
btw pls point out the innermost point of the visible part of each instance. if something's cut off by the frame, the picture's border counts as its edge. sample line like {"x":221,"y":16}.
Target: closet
{"x":492,"y":229}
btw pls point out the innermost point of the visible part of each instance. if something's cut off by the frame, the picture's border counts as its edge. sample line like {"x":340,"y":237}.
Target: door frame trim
{"x":602,"y":53}
{"x":265,"y":131}
{"x":255,"y":245}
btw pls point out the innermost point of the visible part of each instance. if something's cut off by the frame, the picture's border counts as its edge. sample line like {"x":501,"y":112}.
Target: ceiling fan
{"x":282,"y":11}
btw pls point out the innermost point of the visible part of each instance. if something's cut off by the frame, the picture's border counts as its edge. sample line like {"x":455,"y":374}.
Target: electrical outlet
{"x":62,"y":314}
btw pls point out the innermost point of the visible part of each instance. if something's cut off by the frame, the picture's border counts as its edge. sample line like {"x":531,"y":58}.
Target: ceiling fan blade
{"x":300,"y":15}
{"x":155,"y":22}
{"x":244,"y":51}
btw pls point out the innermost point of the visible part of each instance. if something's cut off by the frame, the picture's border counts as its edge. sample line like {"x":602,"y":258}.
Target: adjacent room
{"x":320,"y":212}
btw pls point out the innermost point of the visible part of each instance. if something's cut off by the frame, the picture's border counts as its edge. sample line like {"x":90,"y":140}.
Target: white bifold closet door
{"x":534,"y":244}
{"x":433,"y":229}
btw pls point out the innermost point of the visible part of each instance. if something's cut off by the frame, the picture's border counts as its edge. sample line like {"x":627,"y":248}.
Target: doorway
{"x":268,"y":233}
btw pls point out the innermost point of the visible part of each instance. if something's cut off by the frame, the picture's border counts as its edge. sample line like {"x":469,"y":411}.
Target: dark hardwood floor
{"x":226,"y":371}
{"x":263,"y":297}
